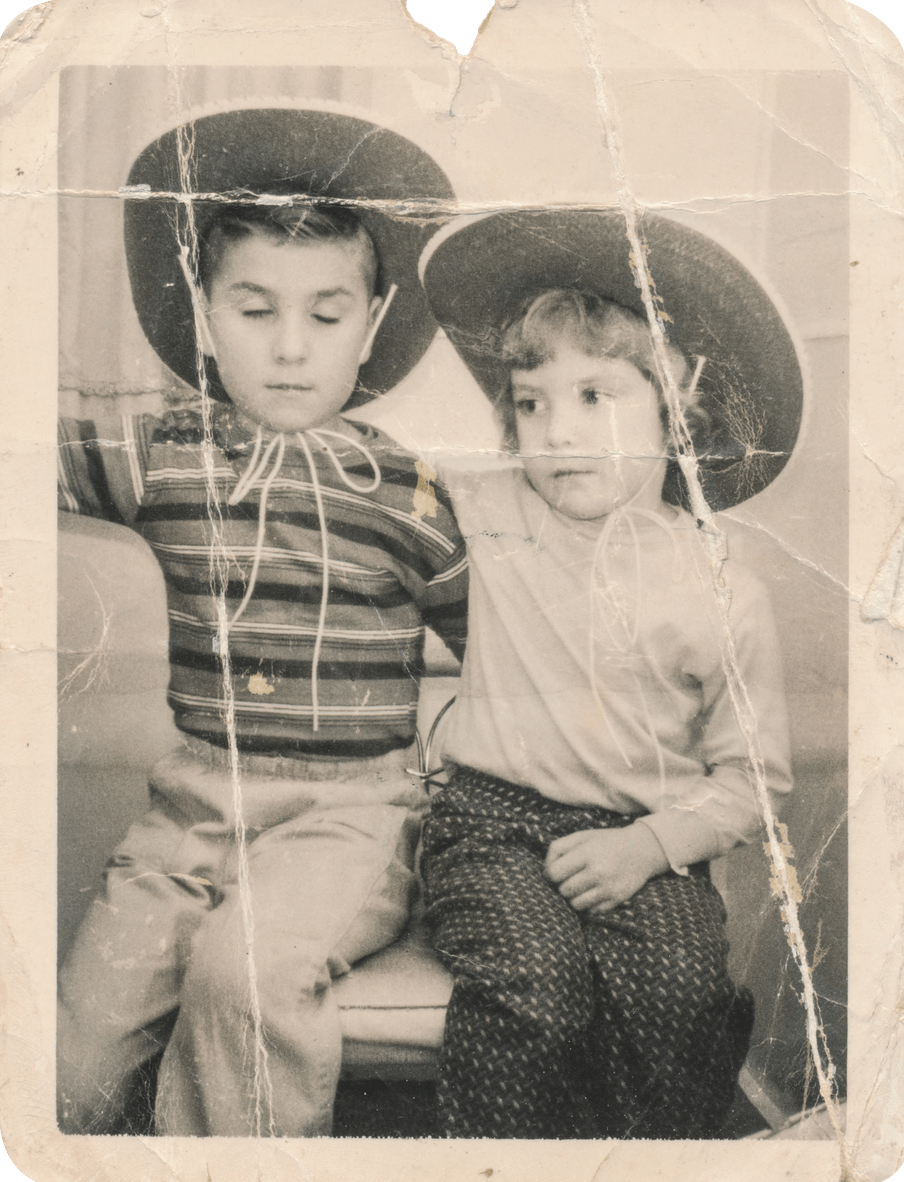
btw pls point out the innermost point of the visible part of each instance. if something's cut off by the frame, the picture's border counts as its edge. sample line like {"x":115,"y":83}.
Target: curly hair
{"x":601,"y":328}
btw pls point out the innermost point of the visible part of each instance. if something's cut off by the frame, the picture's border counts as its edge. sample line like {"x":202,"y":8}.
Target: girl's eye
{"x":326,"y":319}
{"x":526,"y":406}
{"x":257,"y":313}
{"x":591,"y":396}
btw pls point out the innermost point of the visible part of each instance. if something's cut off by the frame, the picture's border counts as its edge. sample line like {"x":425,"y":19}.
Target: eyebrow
{"x":334,"y":291}
{"x":590,"y":379}
{"x":256,"y":289}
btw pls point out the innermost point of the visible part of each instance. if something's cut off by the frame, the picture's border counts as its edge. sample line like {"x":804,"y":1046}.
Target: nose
{"x":291,"y":339}
{"x":560,"y":429}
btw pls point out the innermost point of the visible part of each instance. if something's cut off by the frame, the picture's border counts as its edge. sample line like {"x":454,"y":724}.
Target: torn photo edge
{"x":867,"y":356}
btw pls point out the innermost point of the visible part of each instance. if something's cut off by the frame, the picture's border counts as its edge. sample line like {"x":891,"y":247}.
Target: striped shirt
{"x":396,"y":562}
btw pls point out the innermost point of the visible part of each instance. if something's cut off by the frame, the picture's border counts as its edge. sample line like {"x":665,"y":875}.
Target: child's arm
{"x":706,"y":816}
{"x":444,"y":599}
{"x":101,"y":466}
{"x":445,"y":608}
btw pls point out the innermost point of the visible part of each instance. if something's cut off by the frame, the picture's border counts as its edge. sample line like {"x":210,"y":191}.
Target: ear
{"x":373,"y":319}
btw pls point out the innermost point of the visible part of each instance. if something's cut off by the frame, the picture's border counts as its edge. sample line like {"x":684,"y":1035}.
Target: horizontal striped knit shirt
{"x":396,"y":562}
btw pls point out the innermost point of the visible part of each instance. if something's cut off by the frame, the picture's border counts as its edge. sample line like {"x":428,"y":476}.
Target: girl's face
{"x":590,"y":434}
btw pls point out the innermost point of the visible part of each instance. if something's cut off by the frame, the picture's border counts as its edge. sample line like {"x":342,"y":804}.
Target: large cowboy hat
{"x":283,"y":152}
{"x":480,"y":272}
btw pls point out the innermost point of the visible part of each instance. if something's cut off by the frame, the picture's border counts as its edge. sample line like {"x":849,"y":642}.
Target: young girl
{"x":595,"y":761}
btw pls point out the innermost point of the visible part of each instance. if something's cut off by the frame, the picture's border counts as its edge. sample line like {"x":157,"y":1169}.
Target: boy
{"x":278,"y":846}
{"x":595,"y":761}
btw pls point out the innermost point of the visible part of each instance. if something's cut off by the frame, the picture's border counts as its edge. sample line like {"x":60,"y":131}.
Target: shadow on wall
{"x":811,"y":614}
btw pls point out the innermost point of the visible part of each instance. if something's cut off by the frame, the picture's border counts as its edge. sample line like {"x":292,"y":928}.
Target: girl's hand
{"x":596,"y":869}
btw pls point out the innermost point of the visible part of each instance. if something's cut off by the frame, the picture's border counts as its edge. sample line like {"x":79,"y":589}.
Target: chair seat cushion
{"x":392,"y":1009}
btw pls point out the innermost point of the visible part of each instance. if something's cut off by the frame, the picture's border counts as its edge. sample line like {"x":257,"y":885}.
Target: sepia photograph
{"x":472,"y":671}
{"x":248,"y":616}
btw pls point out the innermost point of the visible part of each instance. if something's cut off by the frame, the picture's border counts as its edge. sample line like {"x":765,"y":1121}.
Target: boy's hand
{"x":596,"y":869}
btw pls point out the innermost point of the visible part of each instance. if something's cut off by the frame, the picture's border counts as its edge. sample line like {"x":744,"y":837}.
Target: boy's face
{"x":287,"y":322}
{"x":590,"y":433}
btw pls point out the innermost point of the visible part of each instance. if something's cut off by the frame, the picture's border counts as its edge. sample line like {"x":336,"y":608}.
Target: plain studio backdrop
{"x":758,"y":161}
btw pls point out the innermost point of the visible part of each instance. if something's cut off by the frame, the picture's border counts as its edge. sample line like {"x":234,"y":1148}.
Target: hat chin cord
{"x":254,"y":475}
{"x":375,"y":327}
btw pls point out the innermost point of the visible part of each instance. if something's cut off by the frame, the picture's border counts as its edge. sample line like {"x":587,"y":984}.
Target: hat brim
{"x":284,"y":151}
{"x":478,"y":273}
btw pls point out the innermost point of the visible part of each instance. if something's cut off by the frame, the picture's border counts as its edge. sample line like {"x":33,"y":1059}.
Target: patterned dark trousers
{"x":564,"y":1025}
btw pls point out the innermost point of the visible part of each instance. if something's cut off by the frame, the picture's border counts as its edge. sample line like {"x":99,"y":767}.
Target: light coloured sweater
{"x":595,"y":673}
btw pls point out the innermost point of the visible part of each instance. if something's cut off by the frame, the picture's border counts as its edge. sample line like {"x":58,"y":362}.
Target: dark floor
{"x":376,"y":1108}
{"x":373,"y":1108}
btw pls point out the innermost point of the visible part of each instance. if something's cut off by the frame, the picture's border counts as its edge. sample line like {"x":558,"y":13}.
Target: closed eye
{"x":319,"y":316}
{"x":257,"y":313}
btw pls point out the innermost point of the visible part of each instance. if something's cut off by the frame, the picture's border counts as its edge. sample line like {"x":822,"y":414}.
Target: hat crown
{"x":479,"y":272}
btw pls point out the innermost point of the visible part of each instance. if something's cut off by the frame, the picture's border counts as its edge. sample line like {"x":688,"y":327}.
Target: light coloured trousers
{"x":256,"y":1046}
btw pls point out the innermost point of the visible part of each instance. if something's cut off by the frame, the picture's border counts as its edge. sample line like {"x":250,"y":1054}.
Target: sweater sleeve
{"x":101,"y":466}
{"x":444,"y":602}
{"x":445,"y":605}
{"x":721,"y":809}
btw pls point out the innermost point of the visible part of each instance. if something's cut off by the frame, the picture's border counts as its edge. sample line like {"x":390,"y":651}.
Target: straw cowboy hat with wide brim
{"x":283,"y":153}
{"x":479,"y":273}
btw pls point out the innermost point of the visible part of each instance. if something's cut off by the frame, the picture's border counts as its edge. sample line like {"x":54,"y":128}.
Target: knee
{"x":683,"y":925}
{"x":677,"y":982}
{"x":547,"y":1000}
{"x":272,"y":974}
{"x":695,"y":974}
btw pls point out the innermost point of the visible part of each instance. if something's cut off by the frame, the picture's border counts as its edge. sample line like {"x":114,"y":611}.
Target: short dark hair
{"x":601,"y":328}
{"x":288,"y":222}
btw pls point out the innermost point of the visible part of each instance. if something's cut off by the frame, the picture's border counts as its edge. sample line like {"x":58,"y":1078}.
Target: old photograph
{"x":456,"y":649}
{"x":292,"y":613}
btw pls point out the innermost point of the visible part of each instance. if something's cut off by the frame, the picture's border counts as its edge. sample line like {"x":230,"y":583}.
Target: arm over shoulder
{"x":445,"y":600}
{"x":102,"y":466}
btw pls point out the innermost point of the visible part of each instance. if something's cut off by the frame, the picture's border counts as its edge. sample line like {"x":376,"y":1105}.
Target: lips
{"x":293,"y":387}
{"x":560,"y":472}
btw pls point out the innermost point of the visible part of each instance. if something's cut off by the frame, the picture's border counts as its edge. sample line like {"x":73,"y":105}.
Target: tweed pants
{"x":563,"y":1024}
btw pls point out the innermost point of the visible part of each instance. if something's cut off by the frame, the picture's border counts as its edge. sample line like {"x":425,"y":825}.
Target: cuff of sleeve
{"x":684,"y":836}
